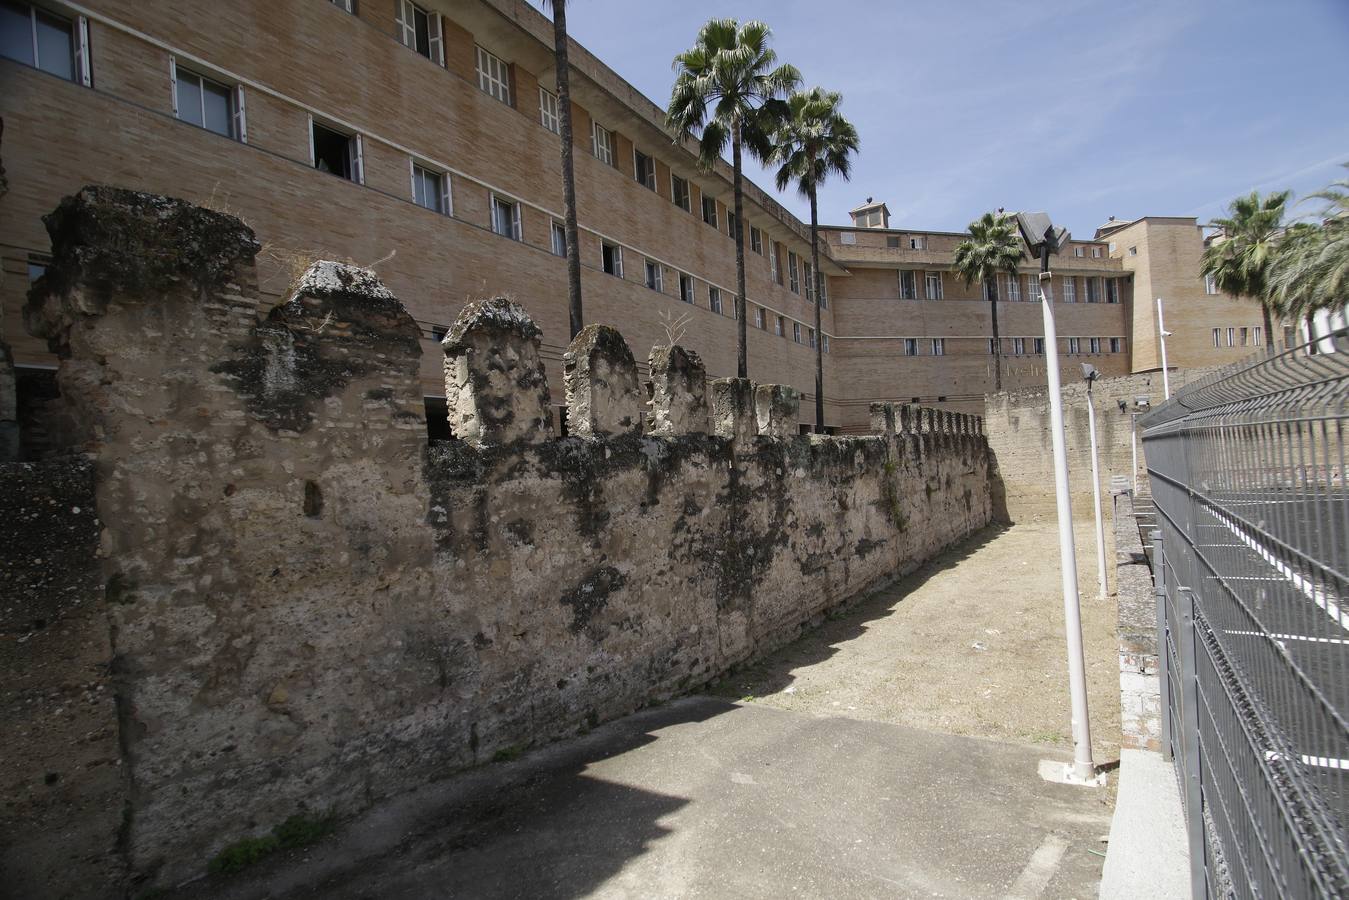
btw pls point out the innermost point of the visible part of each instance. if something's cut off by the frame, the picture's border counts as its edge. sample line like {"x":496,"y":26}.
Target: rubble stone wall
{"x":310,"y":608}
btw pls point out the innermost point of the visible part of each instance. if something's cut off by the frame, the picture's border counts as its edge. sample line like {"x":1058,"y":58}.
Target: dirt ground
{"x":970,"y":644}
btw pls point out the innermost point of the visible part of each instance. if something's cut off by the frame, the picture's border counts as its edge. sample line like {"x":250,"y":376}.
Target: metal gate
{"x":1250,"y":556}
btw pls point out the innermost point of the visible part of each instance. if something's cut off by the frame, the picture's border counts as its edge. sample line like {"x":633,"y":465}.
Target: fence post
{"x":1193,"y":769}
{"x":1163,"y":651}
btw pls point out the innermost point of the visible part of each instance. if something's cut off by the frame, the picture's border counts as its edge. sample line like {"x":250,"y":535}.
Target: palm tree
{"x":1239,"y":259}
{"x":1311,"y":270}
{"x":813,"y":143}
{"x":994,"y":246}
{"x":729,"y":87}
{"x":568,"y":168}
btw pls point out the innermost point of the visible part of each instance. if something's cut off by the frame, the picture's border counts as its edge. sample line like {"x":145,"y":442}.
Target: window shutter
{"x":412,"y":177}
{"x":407,"y":28}
{"x":240,"y":115}
{"x":83,"y":69}
{"x":312,"y":161}
{"x":358,"y":160}
{"x":173,"y":89}
{"x":515,"y":221}
{"x":446,"y":203}
{"x":437,"y":45}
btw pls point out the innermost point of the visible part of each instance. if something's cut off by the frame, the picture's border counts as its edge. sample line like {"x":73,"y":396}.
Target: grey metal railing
{"x":1251,"y":568}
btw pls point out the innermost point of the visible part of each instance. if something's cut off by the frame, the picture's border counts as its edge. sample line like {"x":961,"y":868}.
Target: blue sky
{"x":1166,"y":107}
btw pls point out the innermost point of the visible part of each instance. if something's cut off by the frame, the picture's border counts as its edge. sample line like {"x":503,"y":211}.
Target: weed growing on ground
{"x":297,"y":831}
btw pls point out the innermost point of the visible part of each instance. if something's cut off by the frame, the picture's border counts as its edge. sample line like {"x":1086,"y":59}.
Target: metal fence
{"x":1250,"y":556}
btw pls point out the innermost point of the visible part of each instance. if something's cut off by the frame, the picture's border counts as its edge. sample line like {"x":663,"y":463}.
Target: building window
{"x":207,"y":104}
{"x":760,"y":320}
{"x":714,"y":298}
{"x":653,"y":276}
{"x":50,"y":43}
{"x":911,"y":346}
{"x":494,"y":76}
{"x":892,"y":241}
{"x":611,"y":257}
{"x":991,"y":289}
{"x":781,"y":327}
{"x":1019,"y":346}
{"x":1093,"y":290}
{"x":1013,"y":289}
{"x":337,"y":153}
{"x":602,"y":143}
{"x":506,"y":218}
{"x":679,"y":192}
{"x":917,"y":242}
{"x":807,"y":275}
{"x":773,"y":268}
{"x":1111,"y":290}
{"x":932,"y":280}
{"x":756,"y":240}
{"x":1039,"y":346}
{"x":939,"y":346}
{"x":549,"y":116}
{"x":559,"y":233}
{"x":793,"y":278}
{"x":824,"y":338}
{"x":345,"y":5}
{"x":644,"y":169}
{"x":824,"y":291}
{"x":1231,"y":337}
{"x":847,"y":237}
{"x":1033,"y":288}
{"x":1217,"y":337}
{"x":810,"y":337}
{"x":710,"y":210}
{"x":686,"y":288}
{"x":796,"y":332}
{"x":908,"y":285}
{"x":1079,"y":251}
{"x":1210,"y":284}
{"x":1258,"y":336}
{"x":1095,"y":252}
{"x":1095,"y":344}
{"x":992,"y":346}
{"x":1070,"y":289}
{"x":1133,"y":251}
{"x":420,"y":30}
{"x":1074,"y":345}
{"x":1115,"y":344}
{"x":430,"y":190}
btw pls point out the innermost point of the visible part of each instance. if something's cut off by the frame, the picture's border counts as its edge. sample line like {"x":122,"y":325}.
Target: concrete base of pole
{"x":1071,"y":773}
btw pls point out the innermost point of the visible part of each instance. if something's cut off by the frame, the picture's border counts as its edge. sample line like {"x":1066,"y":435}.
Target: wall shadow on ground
{"x":844,"y":623}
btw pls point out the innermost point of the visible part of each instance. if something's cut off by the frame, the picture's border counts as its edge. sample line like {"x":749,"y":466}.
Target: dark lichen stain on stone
{"x":866,"y":545}
{"x":591,"y":595}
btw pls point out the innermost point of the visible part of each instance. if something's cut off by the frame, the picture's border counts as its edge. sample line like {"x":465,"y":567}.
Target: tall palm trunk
{"x":568,"y":170}
{"x":997,"y":342}
{"x":819,"y":332}
{"x":742,"y":357}
{"x":1269,"y":329}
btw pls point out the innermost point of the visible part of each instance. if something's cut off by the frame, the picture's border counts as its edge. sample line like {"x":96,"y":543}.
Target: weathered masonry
{"x":310,"y":608}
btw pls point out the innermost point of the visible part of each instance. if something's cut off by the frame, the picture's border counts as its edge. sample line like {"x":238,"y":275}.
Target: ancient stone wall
{"x":311,"y":608}
{"x":1017,"y":425}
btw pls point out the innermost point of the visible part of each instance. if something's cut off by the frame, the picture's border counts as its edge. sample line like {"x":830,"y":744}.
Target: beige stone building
{"x":421,"y":138}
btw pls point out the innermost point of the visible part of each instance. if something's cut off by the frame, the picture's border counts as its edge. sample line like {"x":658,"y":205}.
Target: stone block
{"x":678,"y":395}
{"x":603,"y":393}
{"x":733,"y":410}
{"x":495,"y":386}
{"x":777,"y":408}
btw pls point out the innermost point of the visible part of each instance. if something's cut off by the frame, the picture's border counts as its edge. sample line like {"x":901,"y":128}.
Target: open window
{"x":336,"y":153}
{"x":420,"y":30}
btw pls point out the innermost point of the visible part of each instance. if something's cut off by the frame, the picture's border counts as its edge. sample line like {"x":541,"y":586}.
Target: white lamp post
{"x":1043,"y":239}
{"x":1090,"y":373}
{"x":1164,"y":334}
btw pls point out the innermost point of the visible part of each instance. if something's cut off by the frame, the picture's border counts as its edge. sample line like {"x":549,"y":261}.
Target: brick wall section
{"x":1017,"y":426}
{"x":314,"y":611}
{"x":1140,"y":698}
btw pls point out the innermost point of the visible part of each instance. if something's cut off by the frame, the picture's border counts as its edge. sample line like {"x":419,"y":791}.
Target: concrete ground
{"x":854,"y":763}
{"x":1149,"y":852}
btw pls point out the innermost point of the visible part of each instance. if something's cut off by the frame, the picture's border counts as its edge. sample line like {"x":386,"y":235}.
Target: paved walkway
{"x":817,"y":785}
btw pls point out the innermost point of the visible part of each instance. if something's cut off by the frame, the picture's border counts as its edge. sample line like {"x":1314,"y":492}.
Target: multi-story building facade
{"x":422,"y":138}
